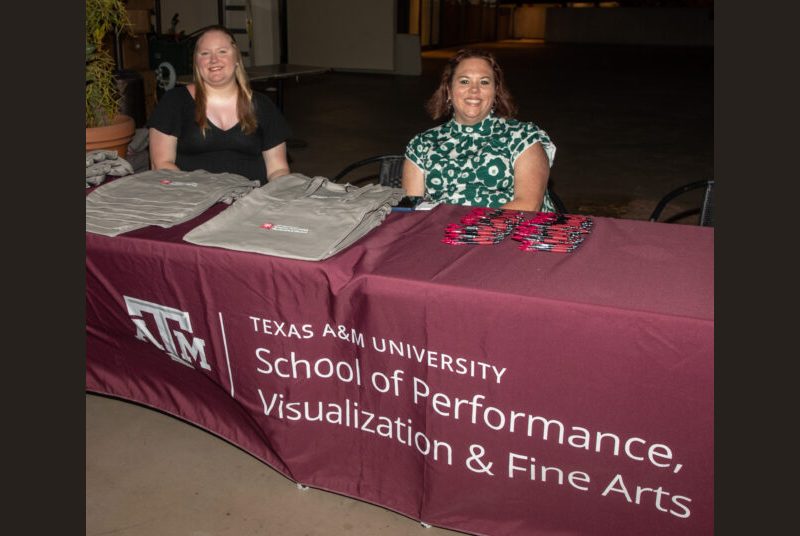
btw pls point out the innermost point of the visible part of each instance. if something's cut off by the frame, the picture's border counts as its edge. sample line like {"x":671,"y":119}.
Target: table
{"x":262,"y":74}
{"x":477,"y":388}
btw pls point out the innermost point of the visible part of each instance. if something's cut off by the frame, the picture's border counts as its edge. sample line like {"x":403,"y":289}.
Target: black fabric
{"x":220,"y":151}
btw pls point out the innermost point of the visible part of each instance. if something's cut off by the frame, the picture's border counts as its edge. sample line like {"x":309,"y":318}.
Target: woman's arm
{"x":276,"y":161}
{"x":531,"y":171}
{"x":413,"y":179}
{"x":163,"y":150}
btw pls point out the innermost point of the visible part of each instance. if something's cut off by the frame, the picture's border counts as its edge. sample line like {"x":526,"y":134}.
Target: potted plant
{"x":106,"y":128}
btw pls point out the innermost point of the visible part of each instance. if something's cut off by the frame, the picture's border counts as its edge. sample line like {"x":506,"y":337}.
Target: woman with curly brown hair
{"x":481,"y":156}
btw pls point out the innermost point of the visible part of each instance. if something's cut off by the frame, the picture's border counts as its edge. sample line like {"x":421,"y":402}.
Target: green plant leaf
{"x":102,"y":94}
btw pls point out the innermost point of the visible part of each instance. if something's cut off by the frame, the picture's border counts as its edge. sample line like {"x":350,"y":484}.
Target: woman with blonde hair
{"x":218,"y":123}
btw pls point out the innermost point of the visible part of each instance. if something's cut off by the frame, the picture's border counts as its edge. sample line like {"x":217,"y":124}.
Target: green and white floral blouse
{"x":473,"y":165}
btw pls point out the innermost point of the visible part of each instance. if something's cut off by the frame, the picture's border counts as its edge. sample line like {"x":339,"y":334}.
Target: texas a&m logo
{"x":172,"y":341}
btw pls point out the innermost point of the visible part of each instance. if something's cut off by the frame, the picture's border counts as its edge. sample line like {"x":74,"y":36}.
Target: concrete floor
{"x":630,"y":123}
{"x":149,"y":474}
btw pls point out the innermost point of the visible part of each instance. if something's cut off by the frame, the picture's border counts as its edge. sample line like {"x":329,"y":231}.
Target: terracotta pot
{"x":114,"y":137}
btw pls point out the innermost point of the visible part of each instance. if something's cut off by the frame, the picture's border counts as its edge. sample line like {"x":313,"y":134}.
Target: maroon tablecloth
{"x":479,"y":388}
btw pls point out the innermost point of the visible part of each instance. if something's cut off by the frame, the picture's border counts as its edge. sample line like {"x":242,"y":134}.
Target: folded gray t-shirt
{"x":160,"y":197}
{"x":298,"y":217}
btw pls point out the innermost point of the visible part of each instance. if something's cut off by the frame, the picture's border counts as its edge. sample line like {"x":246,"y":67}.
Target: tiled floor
{"x":630,"y":123}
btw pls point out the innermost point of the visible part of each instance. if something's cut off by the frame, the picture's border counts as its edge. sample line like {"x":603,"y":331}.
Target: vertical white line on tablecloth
{"x":227,"y":357}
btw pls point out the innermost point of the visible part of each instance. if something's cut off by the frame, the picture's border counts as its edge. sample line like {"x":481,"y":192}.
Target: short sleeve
{"x":417,"y":149}
{"x":527,"y":134}
{"x":274,"y":128}
{"x":167,"y":115}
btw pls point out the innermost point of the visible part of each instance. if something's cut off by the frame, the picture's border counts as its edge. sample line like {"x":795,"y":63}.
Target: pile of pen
{"x":483,"y":226}
{"x":548,"y":231}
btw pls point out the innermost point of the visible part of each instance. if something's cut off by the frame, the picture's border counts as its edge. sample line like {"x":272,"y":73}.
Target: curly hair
{"x":438,"y":106}
{"x":244,"y":104}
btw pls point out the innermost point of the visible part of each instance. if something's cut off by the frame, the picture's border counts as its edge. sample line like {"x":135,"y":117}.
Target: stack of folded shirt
{"x":163,"y":197}
{"x":299,"y":218}
{"x":102,"y":163}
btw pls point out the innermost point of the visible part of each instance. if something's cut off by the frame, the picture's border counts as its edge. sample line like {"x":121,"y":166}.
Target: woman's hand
{"x":531,"y":172}
{"x":163,"y":149}
{"x":276,"y":161}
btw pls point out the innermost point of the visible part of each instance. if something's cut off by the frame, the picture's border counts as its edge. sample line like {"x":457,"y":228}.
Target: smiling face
{"x":216,"y":58}
{"x":472,"y":91}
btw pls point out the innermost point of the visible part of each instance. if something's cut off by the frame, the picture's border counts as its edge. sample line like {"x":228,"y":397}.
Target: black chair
{"x":557,"y":202}
{"x":390,"y":170}
{"x":706,"y":209}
